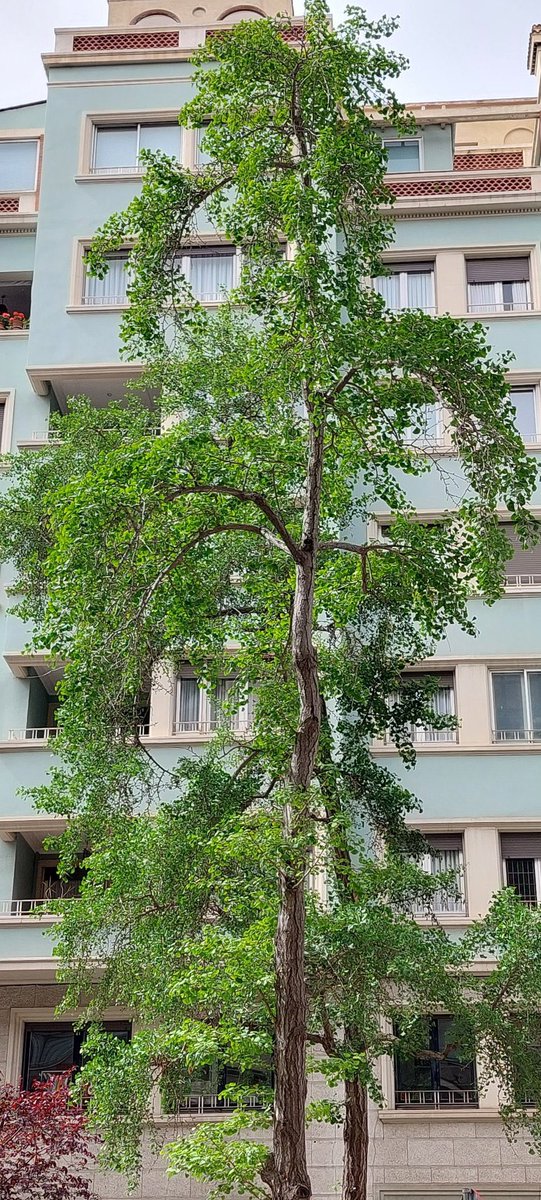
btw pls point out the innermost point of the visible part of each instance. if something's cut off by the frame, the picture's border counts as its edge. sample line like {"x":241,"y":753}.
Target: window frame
{"x":400,"y":142}
{"x":460,"y":906}
{"x":501,"y":307}
{"x":435,"y":1080}
{"x":229,"y":251}
{"x":537,"y":876}
{"x":110,"y":304}
{"x":526,"y":708}
{"x":137,"y":124}
{"x":403,"y":277}
{"x":7,"y":402}
{"x":19,"y":1018}
{"x":23,"y":191}
{"x":535,"y":388}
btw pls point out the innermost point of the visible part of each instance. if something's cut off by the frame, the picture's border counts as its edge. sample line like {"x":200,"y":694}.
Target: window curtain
{"x":508,"y":693}
{"x":18,"y":166}
{"x":388,"y":286}
{"x":188,"y":705}
{"x":223,"y":692}
{"x":421,"y":290}
{"x":534,"y":684}
{"x":111,"y":289}
{"x":448,"y":860}
{"x":211,"y":274}
{"x":520,"y":292}
{"x":115,"y":149}
{"x":161,"y":137}
{"x":523,"y":401}
{"x":482,"y":297}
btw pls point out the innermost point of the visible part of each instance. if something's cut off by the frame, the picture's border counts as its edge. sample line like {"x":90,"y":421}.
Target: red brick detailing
{"x":9,"y":204}
{"x":150,"y":40}
{"x":459,"y":187}
{"x":498,"y":160}
{"x":291,"y":33}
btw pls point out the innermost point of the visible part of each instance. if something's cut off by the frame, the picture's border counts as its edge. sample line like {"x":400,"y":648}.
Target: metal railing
{"x":426,"y":733}
{"x":136,"y":169}
{"x":502,"y":306}
{"x":235,"y":725}
{"x":23,"y":908}
{"x":40,"y":734}
{"x":431,"y":1099}
{"x":104,"y":301}
{"x":214,"y":1103}
{"x":523,"y":581}
{"x":516,"y":735}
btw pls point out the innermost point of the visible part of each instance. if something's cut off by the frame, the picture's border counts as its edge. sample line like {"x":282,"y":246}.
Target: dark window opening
{"x":436,"y":1082}
{"x":52,"y":1048}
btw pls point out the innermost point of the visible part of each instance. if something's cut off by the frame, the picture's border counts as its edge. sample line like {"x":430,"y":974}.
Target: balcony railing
{"x":42,"y":733}
{"x":523,"y":581}
{"x":234,"y":725}
{"x":431,"y":1099}
{"x":426,"y":733}
{"x":522,"y":306}
{"x":104,"y":301}
{"x":516,"y":735}
{"x":205,"y":1104}
{"x":24,"y":908}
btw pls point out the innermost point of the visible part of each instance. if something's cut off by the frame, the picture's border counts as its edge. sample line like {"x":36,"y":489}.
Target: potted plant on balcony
{"x":17,"y":321}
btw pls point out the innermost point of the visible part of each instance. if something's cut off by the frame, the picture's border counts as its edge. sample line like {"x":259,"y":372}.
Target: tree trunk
{"x":291,"y":1180}
{"x":355,"y":1171}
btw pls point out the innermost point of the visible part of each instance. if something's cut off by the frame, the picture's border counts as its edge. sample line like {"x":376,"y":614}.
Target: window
{"x":517,"y":706}
{"x":201,"y":156}
{"x":18,"y":165}
{"x":409,"y":285}
{"x":526,"y":404}
{"x":198,"y":711}
{"x":15,"y":300}
{"x":403,"y":156}
{"x":521,"y":855}
{"x":211,"y":271}
{"x":112,"y":289}
{"x":446,"y":854}
{"x":54,"y":1047}
{"x":49,"y":885}
{"x":424,"y":1082}
{"x":498,"y":285}
{"x":443,"y":703}
{"x":117,"y":148}
{"x":205,"y":1090}
{"x":523,"y":569}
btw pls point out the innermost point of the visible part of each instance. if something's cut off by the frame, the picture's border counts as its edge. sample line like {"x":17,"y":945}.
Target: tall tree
{"x":238,"y":534}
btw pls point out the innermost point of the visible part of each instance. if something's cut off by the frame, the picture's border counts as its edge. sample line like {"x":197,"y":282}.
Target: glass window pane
{"x":161,"y":137}
{"x":534,"y":684}
{"x":111,"y":289}
{"x":520,"y":875}
{"x":48,"y":1052}
{"x":523,"y":401}
{"x":211,"y":273}
{"x":420,"y":290}
{"x":388,"y":286}
{"x":508,"y":692}
{"x":115,"y":148}
{"x":482,"y":297}
{"x":18,"y":166}
{"x":188,"y":705}
{"x":455,"y":1076}
{"x":201,"y":156}
{"x":402,"y":156}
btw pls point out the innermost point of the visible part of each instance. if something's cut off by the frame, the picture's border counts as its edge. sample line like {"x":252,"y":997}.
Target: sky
{"x":457,"y":49}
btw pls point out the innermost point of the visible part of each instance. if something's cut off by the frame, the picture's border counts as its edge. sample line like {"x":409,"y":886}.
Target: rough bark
{"x":291,"y":1178}
{"x":355,"y":1170}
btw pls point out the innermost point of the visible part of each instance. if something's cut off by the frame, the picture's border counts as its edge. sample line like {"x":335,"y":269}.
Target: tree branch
{"x":217,"y":489}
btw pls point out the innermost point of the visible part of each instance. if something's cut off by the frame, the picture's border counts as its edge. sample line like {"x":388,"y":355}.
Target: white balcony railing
{"x":523,"y":581}
{"x":516,"y":735}
{"x":39,"y":734}
{"x":432,"y":1099}
{"x":23,"y":908}
{"x":234,"y":725}
{"x":215,"y":1103}
{"x":517,"y":306}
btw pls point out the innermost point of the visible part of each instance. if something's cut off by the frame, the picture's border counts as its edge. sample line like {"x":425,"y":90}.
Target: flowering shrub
{"x":44,"y":1147}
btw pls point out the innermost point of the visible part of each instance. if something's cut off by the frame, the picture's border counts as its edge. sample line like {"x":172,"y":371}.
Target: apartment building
{"x":468,"y":234}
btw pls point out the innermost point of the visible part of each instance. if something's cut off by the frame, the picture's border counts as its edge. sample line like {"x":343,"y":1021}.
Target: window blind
{"x":522,"y":562}
{"x":521,"y":845}
{"x":497,"y":270}
{"x":440,"y":843}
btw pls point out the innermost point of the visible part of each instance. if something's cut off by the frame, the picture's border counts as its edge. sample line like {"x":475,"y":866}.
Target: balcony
{"x":17,"y":910}
{"x":142,"y":43}
{"x":465,"y":185}
{"x":523,"y":582}
{"x":516,"y":735}
{"x":437,"y":1099}
{"x":15,"y":304}
{"x":201,"y":1105}
{"x":43,"y":733}
{"x":236,"y":724}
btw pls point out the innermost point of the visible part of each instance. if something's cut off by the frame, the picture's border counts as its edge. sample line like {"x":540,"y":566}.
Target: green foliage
{"x":285,"y":420}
